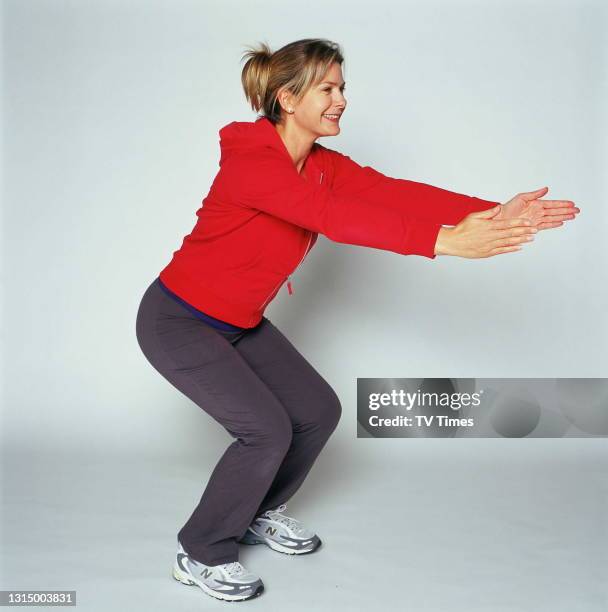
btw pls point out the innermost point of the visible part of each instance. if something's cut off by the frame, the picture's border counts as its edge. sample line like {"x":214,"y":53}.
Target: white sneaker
{"x":228,"y":581}
{"x":281,"y":533}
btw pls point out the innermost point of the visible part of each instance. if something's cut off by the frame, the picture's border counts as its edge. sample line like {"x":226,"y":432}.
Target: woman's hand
{"x":544,"y":214}
{"x":482,"y":234}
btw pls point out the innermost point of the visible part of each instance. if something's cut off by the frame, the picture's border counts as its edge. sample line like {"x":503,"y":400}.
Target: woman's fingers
{"x":557,"y":204}
{"x":512,"y":236}
{"x":513,"y":231}
{"x":534,"y":195}
{"x":500,"y":250}
{"x":554,"y":208}
{"x":558,"y":217}
{"x":549,"y":212}
{"x":506,"y":223}
{"x":503,"y":242}
{"x":497,"y":236}
{"x":548,"y":225}
{"x":522,"y":235}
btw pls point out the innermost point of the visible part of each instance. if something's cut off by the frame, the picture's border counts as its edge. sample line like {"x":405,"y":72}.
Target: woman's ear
{"x":286,"y":100}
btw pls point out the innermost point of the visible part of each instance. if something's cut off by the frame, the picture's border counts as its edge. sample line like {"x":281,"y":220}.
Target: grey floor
{"x":433,"y":525}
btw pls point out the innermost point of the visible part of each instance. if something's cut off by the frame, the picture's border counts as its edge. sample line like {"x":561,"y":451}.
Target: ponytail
{"x":254,"y":76}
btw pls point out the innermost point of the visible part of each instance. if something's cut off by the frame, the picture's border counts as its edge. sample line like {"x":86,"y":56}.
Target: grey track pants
{"x":278,"y":408}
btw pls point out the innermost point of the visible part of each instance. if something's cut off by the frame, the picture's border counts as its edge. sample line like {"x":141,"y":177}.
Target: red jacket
{"x":260,"y":219}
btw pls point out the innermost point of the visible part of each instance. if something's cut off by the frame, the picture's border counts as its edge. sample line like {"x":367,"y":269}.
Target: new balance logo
{"x":206,"y":573}
{"x":180,"y":561}
{"x":271,"y":530}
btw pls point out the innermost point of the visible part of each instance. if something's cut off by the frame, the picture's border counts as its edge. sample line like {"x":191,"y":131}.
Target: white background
{"x":111,"y":112}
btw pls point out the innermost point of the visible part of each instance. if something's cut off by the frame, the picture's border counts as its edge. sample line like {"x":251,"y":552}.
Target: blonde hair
{"x":296,"y":67}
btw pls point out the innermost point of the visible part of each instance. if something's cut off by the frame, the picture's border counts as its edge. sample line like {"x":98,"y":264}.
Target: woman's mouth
{"x":334,"y":118}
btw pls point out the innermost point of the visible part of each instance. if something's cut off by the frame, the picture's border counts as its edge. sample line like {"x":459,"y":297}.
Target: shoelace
{"x":233,"y":568}
{"x":275,"y":515}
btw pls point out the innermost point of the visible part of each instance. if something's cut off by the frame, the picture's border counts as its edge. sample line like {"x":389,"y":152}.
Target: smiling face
{"x":318,"y":112}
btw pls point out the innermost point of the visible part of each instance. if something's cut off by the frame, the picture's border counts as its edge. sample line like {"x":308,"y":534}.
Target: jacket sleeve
{"x":269,"y":182}
{"x":417,"y":200}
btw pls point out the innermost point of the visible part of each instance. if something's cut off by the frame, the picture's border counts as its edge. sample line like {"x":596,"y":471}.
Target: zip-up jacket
{"x":261,"y":218}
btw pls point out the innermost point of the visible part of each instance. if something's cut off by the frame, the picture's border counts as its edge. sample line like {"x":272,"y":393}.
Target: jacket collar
{"x":240,"y":135}
{"x":274,"y":139}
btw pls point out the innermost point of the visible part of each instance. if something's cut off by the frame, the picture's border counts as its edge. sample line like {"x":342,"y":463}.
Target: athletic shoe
{"x":228,"y":581}
{"x":282,"y":533}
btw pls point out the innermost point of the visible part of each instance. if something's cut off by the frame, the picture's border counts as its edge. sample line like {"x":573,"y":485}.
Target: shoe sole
{"x":257,"y":539}
{"x":189,"y":580}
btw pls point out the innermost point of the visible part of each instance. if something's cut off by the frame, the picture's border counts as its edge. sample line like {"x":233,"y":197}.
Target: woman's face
{"x":324,"y":98}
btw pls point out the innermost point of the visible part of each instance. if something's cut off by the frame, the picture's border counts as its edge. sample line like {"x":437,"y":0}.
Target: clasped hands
{"x":504,"y":228}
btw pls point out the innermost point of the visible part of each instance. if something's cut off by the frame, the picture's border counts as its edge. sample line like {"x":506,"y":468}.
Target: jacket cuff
{"x":422,"y":239}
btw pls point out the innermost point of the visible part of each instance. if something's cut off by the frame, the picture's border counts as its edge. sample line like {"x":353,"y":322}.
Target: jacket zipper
{"x":273,"y":290}
{"x":283,"y":280}
{"x":289,"y":287}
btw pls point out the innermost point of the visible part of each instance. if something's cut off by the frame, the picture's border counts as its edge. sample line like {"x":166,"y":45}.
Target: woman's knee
{"x":327,"y":412}
{"x":273,"y":434}
{"x":334,"y":409}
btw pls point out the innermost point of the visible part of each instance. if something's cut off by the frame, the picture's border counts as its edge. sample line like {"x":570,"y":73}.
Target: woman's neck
{"x":297,"y":144}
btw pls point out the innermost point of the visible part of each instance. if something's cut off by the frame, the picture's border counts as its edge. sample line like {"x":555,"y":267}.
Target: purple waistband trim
{"x":219,"y":324}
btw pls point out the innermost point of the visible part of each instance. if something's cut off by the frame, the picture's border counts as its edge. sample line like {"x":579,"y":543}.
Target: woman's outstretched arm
{"x":267,"y":181}
{"x":434,"y":204}
{"x":417,"y":200}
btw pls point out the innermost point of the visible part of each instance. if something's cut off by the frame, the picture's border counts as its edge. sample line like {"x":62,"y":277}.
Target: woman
{"x":201,"y":324}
